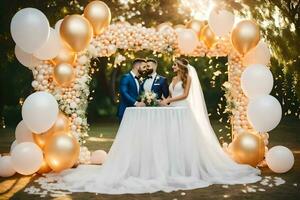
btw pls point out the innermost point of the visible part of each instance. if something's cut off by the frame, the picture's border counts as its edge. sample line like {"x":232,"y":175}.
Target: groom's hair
{"x":152,"y":60}
{"x":138,"y":61}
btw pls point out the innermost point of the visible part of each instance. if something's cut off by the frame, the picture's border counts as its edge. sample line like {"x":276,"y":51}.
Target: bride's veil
{"x":198,"y":107}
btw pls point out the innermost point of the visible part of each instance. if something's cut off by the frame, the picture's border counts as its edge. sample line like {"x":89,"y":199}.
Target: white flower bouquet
{"x":149,"y":98}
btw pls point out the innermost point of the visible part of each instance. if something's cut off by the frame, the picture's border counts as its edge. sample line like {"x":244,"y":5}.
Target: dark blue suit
{"x":160,"y":86}
{"x":129,"y":93}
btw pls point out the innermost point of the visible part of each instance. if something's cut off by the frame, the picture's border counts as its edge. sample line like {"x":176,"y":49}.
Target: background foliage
{"x":279,"y":21}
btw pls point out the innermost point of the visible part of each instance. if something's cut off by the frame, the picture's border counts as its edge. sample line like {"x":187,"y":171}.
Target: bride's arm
{"x":185,"y":93}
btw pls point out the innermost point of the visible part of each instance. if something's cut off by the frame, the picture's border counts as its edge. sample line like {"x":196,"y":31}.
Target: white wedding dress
{"x":191,"y":160}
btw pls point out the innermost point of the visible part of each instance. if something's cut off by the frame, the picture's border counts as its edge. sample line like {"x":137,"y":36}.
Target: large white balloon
{"x":40,"y":111}
{"x":6,"y":167}
{"x":51,"y":48}
{"x":256,"y":80}
{"x":187,"y":41}
{"x":26,"y":158}
{"x":258,"y":55}
{"x":264,"y":113}
{"x":280,"y":159}
{"x":221,"y":22}
{"x":26,"y":59}
{"x":23,"y":133}
{"x":29,"y":29}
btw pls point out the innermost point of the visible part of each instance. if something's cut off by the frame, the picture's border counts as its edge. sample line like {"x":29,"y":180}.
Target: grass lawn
{"x":102,"y":135}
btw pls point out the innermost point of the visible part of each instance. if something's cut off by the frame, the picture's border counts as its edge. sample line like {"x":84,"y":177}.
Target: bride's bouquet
{"x":149,"y":98}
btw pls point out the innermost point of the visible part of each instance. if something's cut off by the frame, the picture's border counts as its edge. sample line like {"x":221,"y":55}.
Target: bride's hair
{"x":183,"y":70}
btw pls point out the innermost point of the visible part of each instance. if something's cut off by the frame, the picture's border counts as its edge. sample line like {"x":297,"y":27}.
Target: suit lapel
{"x":152,"y":87}
{"x":134,"y":83}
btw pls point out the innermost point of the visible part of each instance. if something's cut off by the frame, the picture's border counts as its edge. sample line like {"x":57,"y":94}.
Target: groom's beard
{"x":141,"y":72}
{"x":149,"y":72}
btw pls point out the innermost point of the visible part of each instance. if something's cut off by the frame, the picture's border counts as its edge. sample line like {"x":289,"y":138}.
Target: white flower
{"x":227,"y":85}
{"x":34,"y":84}
{"x":73,"y":105}
{"x":78,"y":121}
{"x":82,"y":60}
{"x":111,"y":49}
{"x":92,"y":50}
{"x":217,"y":73}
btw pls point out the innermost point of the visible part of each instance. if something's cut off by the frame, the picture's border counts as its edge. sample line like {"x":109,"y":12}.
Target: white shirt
{"x":149,"y":82}
{"x":136,"y":81}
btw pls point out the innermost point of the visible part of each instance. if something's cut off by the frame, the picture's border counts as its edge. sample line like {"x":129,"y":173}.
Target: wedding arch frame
{"x":73,"y":100}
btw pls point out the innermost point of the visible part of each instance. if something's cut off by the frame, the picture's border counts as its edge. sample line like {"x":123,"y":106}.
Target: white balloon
{"x":98,"y":157}
{"x":264,"y":113}
{"x":22,"y":133}
{"x":6,"y":167}
{"x":187,"y":41}
{"x":26,"y":59}
{"x":40,"y":111}
{"x":221,"y":22}
{"x":27,"y":158}
{"x":258,"y":55}
{"x":29,"y":29}
{"x":280,"y":159}
{"x":13,"y":145}
{"x":256,"y":80}
{"x":51,"y":48}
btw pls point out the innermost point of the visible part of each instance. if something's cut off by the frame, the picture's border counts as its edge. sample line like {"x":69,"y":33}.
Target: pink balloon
{"x":258,"y":55}
{"x":26,"y":59}
{"x":6,"y":168}
{"x":27,"y":158}
{"x":22,"y":133}
{"x":51,"y":48}
{"x":221,"y":22}
{"x":187,"y":41}
{"x":280,"y":159}
{"x":98,"y":157}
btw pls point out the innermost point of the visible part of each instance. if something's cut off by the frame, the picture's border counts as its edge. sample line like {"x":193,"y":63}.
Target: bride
{"x":192,"y":160}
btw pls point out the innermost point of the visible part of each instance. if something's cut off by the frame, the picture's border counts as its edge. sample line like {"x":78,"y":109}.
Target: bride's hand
{"x":162,"y":103}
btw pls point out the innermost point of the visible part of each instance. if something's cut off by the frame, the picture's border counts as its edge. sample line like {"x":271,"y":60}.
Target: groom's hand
{"x":140,"y":104}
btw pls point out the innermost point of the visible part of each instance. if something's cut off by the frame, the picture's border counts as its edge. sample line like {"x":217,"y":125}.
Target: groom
{"x":154,"y":82}
{"x":130,"y":87}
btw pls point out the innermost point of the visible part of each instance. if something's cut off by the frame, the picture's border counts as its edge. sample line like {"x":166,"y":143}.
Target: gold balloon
{"x":207,"y":36}
{"x":41,"y":139}
{"x":62,"y":124}
{"x":245,"y":36}
{"x":61,"y":151}
{"x":65,"y":55}
{"x":248,"y":148}
{"x":196,"y":25}
{"x":63,"y":74}
{"x":44,"y":168}
{"x":76,"y":32}
{"x":164,"y":26}
{"x":98,"y":13}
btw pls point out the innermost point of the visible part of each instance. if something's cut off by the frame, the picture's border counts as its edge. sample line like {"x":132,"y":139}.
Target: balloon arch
{"x":61,"y":67}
